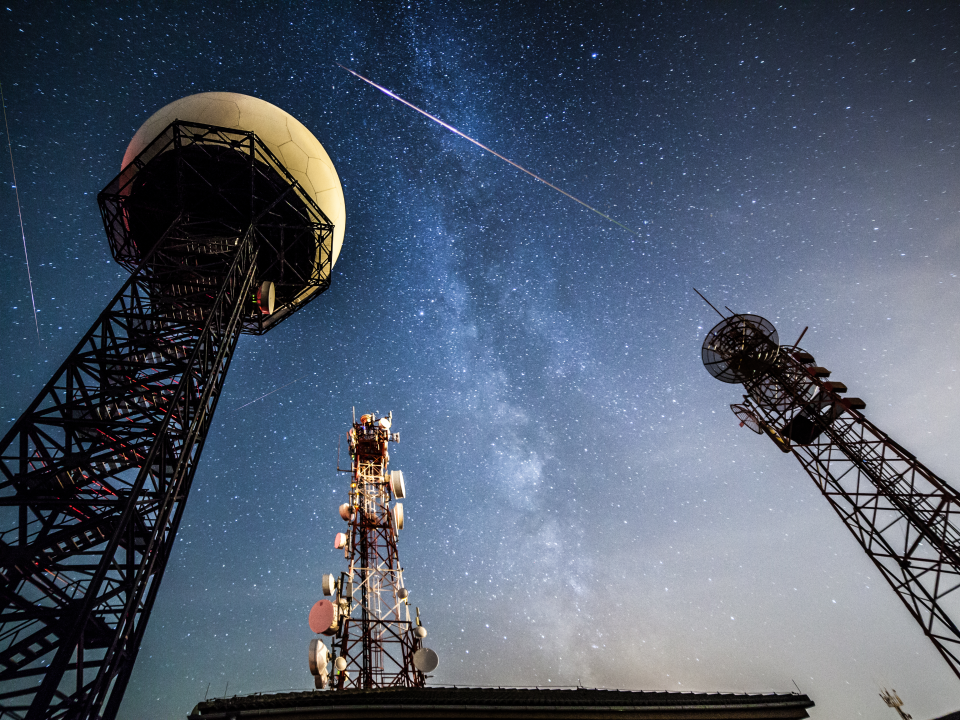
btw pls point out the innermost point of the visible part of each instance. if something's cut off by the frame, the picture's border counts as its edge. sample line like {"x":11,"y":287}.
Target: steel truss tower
{"x":96,"y":471}
{"x":902,"y":514}
{"x":375,"y":645}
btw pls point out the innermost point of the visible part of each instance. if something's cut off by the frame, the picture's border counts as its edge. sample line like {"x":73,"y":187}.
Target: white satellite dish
{"x":396,"y":484}
{"x":346,"y":512}
{"x":328,"y":584}
{"x":425,"y":660}
{"x":403,"y":594}
{"x":398,"y":516}
{"x":317,"y":657}
{"x":340,"y":664}
{"x":420,"y":631}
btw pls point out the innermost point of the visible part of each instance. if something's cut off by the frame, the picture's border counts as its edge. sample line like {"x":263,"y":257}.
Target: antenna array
{"x":374,"y":642}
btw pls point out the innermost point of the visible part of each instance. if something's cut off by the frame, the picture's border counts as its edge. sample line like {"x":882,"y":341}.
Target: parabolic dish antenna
{"x":323,"y":617}
{"x":328,"y":584}
{"x":425,"y":660}
{"x":739,"y":348}
{"x":396,"y":484}
{"x":317,"y":656}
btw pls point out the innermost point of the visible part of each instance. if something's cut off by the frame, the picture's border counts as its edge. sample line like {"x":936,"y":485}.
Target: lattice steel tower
{"x":901,"y":513}
{"x":229,"y":215}
{"x":375,"y":644}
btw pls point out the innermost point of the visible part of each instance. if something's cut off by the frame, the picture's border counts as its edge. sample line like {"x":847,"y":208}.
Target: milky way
{"x":582,"y":505}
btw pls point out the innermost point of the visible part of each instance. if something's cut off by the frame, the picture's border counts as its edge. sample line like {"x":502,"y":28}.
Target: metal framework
{"x":903,"y":515}
{"x":95,"y":473}
{"x":376,"y":641}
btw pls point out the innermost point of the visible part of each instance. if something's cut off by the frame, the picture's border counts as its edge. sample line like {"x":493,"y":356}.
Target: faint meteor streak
{"x":484,"y":147}
{"x":271,"y":392}
{"x":16,"y":190}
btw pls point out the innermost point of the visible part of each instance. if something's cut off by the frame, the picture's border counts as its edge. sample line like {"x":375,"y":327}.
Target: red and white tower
{"x":374,"y":642}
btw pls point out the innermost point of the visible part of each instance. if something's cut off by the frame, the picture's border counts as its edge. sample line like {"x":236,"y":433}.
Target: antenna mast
{"x":893,"y":700}
{"x":902,"y":514}
{"x":375,"y":644}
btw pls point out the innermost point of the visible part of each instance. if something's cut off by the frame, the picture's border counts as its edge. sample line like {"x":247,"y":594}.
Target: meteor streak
{"x":16,"y":190}
{"x":272,"y":392}
{"x":484,"y":147}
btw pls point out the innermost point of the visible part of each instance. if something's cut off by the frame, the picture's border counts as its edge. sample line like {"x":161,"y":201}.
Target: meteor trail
{"x":16,"y":190}
{"x":271,"y":392}
{"x":484,"y":147}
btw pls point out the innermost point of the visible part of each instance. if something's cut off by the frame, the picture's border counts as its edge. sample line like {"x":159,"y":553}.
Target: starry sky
{"x":582,"y":505}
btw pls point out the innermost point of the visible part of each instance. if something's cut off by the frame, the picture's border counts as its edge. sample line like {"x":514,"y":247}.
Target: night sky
{"x":582,"y":505}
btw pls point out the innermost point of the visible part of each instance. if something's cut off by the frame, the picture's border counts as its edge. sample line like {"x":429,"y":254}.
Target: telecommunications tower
{"x":374,"y":643}
{"x":905,"y":517}
{"x":229,"y":216}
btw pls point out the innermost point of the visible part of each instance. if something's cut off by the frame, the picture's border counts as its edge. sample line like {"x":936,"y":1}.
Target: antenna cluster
{"x":374,"y":643}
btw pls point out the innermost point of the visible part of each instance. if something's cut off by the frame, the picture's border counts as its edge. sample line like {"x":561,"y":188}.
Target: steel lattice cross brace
{"x":376,"y":640}
{"x":95,"y":473}
{"x":904,"y":516}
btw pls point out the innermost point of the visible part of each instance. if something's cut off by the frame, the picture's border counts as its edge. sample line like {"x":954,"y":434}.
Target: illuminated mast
{"x":374,"y":641}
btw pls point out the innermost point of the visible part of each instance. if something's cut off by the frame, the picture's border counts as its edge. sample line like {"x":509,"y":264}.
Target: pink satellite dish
{"x":323,"y":617}
{"x":340,"y":541}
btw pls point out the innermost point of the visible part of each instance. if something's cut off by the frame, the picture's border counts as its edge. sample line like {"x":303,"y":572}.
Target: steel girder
{"x":96,"y":472}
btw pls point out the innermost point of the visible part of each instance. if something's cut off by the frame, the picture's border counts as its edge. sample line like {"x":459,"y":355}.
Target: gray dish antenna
{"x":425,"y":660}
{"x":739,"y":348}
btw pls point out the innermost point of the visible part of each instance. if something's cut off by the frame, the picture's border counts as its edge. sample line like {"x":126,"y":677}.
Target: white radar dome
{"x":295,"y":146}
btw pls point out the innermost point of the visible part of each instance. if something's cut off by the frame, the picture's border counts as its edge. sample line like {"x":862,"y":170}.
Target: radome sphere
{"x":285,"y":136}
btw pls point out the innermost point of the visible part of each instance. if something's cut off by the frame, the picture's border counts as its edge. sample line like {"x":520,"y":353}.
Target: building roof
{"x":525,"y":703}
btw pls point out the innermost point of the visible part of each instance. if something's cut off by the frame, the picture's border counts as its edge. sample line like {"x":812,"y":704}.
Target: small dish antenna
{"x":328,"y":584}
{"x":425,"y":660}
{"x":747,"y":418}
{"x":317,"y":656}
{"x":739,"y":348}
{"x":396,"y":484}
{"x":323,"y":617}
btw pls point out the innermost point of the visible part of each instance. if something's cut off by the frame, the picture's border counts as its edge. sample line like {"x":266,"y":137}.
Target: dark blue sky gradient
{"x":582,"y":505}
